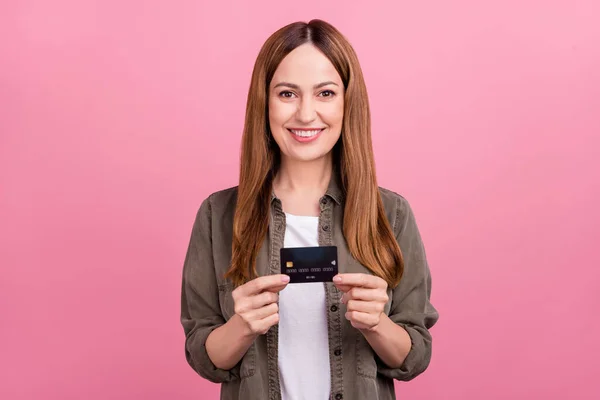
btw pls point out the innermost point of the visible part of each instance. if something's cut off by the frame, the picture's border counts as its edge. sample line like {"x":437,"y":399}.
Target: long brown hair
{"x":366,"y":228}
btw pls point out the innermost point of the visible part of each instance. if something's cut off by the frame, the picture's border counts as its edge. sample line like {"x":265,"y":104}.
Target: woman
{"x":307,"y":178}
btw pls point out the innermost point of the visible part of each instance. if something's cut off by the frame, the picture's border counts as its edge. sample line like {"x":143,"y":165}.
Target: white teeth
{"x":305,"y":133}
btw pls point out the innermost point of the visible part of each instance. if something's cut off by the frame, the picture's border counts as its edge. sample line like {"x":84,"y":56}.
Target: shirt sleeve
{"x":411,"y":307}
{"x":200,"y":308}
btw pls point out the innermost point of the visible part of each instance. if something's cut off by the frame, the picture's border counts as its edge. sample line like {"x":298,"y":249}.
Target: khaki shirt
{"x":356,"y":371}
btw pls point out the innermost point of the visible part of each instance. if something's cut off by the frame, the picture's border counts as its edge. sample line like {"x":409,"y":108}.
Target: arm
{"x":402,"y":341}
{"x":213,"y":347}
{"x":390,"y":342}
{"x":227,"y":344}
{"x":256,"y":310}
{"x":365,"y":298}
{"x":411,"y":309}
{"x":200,"y":308}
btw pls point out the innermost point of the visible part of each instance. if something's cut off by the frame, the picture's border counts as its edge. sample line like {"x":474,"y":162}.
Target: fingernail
{"x":285,"y":278}
{"x":337,"y":279}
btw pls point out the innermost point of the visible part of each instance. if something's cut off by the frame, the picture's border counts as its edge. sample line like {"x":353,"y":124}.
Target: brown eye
{"x":331,"y":94}
{"x":285,"y":94}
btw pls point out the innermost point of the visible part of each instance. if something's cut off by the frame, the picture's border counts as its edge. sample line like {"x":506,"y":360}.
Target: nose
{"x":307,"y":111}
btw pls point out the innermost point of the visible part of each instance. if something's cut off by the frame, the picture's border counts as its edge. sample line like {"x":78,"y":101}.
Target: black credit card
{"x":309,"y":264}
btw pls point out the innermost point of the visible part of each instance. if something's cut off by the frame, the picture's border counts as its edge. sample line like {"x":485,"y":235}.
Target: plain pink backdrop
{"x":118,"y":117}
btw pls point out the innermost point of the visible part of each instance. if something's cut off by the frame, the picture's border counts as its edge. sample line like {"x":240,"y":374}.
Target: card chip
{"x":289,"y":264}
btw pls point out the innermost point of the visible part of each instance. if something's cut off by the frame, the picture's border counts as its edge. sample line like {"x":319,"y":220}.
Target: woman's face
{"x":306,"y":104}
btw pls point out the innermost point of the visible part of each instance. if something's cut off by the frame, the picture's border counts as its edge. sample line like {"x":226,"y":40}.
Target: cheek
{"x":278,"y":115}
{"x":334,"y":118}
{"x":334,"y":113}
{"x":340,"y":112}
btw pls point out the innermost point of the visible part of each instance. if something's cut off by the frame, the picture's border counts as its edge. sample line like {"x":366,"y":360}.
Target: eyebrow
{"x":294,"y":86}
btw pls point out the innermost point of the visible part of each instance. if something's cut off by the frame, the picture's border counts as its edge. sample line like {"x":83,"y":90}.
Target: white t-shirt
{"x":304,"y":371}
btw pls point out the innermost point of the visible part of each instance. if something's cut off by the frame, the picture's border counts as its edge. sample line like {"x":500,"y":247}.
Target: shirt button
{"x":339,"y":396}
{"x":334,"y":308}
{"x":337,"y":352}
{"x":323,"y":201}
{"x":279,"y":228}
{"x":326,"y":228}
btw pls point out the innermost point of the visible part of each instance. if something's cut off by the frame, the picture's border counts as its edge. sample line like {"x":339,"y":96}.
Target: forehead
{"x":305,"y":65}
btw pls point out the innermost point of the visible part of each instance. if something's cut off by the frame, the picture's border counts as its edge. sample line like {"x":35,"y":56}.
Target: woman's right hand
{"x":255,"y":303}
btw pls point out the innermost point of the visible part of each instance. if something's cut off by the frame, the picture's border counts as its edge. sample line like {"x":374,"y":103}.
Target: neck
{"x":304,"y":177}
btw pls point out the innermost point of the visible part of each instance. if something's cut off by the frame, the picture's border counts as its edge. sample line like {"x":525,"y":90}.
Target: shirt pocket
{"x":248,"y":362}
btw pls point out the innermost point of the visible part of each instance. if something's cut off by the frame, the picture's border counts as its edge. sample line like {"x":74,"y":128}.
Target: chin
{"x":308,"y":157}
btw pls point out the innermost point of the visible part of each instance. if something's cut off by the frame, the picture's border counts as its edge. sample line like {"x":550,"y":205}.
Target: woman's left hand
{"x":365,"y":297}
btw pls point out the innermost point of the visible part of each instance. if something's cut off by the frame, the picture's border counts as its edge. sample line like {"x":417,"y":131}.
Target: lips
{"x":306,"y":133}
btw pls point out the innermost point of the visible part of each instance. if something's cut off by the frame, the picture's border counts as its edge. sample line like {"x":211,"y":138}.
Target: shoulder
{"x":397,"y":208}
{"x":218,"y":205}
{"x":221,"y":200}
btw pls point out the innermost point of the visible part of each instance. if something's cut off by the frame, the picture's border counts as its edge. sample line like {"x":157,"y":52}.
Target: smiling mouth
{"x":306,"y":133}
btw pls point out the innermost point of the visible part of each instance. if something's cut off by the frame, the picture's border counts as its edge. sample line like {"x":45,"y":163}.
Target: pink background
{"x":118,"y":117}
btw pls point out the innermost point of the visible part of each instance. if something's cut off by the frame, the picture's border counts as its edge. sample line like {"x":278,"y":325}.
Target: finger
{"x":249,"y":303}
{"x":276,"y":289}
{"x":270,"y":321}
{"x":261,"y":313}
{"x":262,"y":326}
{"x":361,"y":326}
{"x":263,"y":283}
{"x":361,"y":280}
{"x":263,"y":299}
{"x":364,"y":306}
{"x":359,"y":293}
{"x":362,"y":320}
